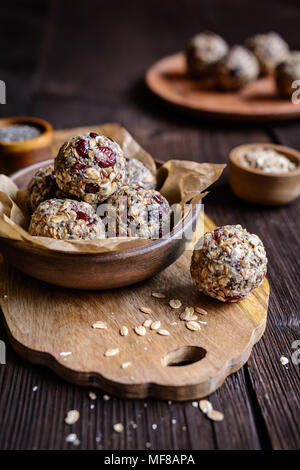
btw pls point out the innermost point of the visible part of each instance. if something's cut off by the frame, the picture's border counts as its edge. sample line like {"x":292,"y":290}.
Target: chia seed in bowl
{"x":19,"y":132}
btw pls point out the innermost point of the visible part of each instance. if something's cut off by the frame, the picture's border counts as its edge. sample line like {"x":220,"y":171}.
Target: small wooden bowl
{"x":267,"y":189}
{"x":94,"y":271}
{"x":16,"y":155}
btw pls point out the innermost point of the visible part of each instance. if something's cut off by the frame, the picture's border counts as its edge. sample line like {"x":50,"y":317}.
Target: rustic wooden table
{"x":79,"y":63}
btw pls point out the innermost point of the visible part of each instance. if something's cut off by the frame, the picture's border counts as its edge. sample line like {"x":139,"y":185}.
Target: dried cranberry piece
{"x":80,"y":166}
{"x":158,"y":199}
{"x":93,"y":135}
{"x":218,"y":234}
{"x":91,"y":188}
{"x":82,"y":148}
{"x":234,"y":298}
{"x":106,"y":157}
{"x":81,"y":215}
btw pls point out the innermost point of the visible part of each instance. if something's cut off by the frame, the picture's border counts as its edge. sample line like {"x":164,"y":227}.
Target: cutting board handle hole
{"x":183,"y":356}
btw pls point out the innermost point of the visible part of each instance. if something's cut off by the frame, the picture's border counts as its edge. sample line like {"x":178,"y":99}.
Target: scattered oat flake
{"x":106,"y":397}
{"x":155,"y":325}
{"x":140,"y":330}
{"x":193,"y":326}
{"x":92,"y":395}
{"x":118,"y":427}
{"x":189,"y":310}
{"x":35,"y":388}
{"x":215,"y":415}
{"x":202,"y":322}
{"x":154,"y":426}
{"x":195,"y":404}
{"x":175,"y":303}
{"x":71,"y":437}
{"x":111,"y":352}
{"x":148,"y":445}
{"x":67,"y":353}
{"x":173,"y":421}
{"x":123,"y":331}
{"x":125,"y":365}
{"x":92,"y":406}
{"x":72,"y":417}
{"x":185,"y":316}
{"x":205,"y":406}
{"x":5,"y":296}
{"x":147,"y":323}
{"x":100,"y":325}
{"x":200,"y":310}
{"x":146,"y":310}
{"x":158,"y":295}
{"x":284,"y":360}
{"x":173,"y":323}
{"x":163,"y":332}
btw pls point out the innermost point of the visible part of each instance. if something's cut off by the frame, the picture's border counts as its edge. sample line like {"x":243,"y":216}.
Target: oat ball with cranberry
{"x":203,"y":52}
{"x":65,"y":219}
{"x":136,"y":172}
{"x":286,"y":73}
{"x":134,"y":211}
{"x":269,"y":49}
{"x":41,"y":187}
{"x":90,"y":167}
{"x":228,"y":263}
{"x":237,"y":68}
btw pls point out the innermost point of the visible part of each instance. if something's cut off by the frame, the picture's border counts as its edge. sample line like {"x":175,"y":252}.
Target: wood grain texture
{"x":43,"y":320}
{"x":257,"y":102}
{"x":261,"y":401}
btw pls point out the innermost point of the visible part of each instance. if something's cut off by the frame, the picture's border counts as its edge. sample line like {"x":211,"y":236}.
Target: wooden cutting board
{"x":43,"y":321}
{"x":258,"y":101}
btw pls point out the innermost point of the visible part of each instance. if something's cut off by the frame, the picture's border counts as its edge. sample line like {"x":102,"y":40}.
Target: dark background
{"x":82,"y":63}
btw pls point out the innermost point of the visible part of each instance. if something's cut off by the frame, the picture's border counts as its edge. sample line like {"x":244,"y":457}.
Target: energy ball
{"x":137,"y":212}
{"x":286,"y":73}
{"x":269,"y":49}
{"x":230,"y":263}
{"x":136,"y":172}
{"x":65,"y":219}
{"x":237,"y":68}
{"x":41,"y":187}
{"x":90,"y":167}
{"x":203,"y":52}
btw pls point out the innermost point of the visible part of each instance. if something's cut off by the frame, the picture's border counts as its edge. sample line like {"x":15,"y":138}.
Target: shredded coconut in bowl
{"x":267,"y":160}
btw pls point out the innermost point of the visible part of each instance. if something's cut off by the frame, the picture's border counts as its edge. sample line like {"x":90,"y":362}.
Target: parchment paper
{"x":178,"y":180}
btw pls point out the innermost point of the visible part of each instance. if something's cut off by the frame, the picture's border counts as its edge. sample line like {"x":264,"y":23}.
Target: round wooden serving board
{"x":258,"y":101}
{"x":43,"y":320}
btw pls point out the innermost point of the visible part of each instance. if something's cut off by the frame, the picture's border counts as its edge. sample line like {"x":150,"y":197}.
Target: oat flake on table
{"x":72,"y":417}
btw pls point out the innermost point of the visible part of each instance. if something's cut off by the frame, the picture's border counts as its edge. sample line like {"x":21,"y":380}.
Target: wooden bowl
{"x":16,"y":155}
{"x":94,"y":271}
{"x":267,"y":189}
